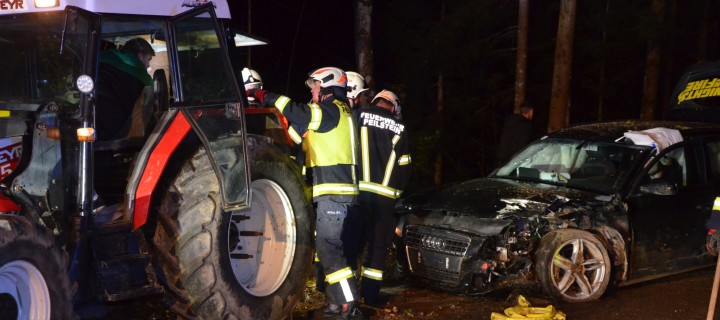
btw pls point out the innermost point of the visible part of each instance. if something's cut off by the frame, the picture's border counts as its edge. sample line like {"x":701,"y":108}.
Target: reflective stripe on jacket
{"x":329,"y":144}
{"x":384,"y":153}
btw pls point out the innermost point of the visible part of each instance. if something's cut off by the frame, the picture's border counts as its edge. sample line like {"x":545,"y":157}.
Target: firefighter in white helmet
{"x":330,"y":150}
{"x":384,"y":174}
{"x":251,"y":80}
{"x":355,"y":221}
{"x":355,"y":86}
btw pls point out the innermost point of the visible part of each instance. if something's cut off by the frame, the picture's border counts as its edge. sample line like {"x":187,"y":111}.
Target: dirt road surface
{"x":683,"y":297}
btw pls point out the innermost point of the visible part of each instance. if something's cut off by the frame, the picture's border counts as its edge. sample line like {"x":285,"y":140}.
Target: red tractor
{"x":198,"y":201}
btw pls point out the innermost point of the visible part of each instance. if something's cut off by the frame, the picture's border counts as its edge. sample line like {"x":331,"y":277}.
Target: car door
{"x":668,"y":230}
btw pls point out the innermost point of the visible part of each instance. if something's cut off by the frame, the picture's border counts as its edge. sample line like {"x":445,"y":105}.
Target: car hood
{"x":485,"y":206}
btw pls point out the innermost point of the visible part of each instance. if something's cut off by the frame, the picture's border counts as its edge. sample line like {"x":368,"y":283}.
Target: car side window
{"x":672,"y":167}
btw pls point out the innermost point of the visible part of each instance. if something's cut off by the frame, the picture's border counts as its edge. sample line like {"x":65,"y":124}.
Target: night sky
{"x":303,"y":36}
{"x":472,"y":45}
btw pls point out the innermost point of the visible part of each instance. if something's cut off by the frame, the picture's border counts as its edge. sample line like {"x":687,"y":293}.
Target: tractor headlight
{"x":85,"y":84}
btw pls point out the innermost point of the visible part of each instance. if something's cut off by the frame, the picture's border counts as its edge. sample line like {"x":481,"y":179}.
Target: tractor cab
{"x":137,"y":170}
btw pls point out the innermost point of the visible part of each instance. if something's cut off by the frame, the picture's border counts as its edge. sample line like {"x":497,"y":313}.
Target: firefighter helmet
{"x":251,"y":79}
{"x":328,"y":77}
{"x":389,"y":96}
{"x":355,"y":84}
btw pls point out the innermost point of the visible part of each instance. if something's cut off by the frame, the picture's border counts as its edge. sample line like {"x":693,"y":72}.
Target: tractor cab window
{"x":34,"y":67}
{"x":204,"y":75}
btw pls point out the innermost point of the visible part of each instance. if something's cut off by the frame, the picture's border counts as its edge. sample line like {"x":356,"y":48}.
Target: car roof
{"x":613,"y":130}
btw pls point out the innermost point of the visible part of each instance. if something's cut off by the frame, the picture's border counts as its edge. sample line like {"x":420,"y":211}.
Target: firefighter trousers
{"x":379,"y":232}
{"x":341,"y":288}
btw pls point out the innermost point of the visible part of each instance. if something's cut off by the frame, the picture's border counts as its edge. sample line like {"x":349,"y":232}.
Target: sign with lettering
{"x":13,"y":5}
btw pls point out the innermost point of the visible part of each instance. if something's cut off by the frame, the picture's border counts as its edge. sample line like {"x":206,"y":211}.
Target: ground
{"x":683,"y":296}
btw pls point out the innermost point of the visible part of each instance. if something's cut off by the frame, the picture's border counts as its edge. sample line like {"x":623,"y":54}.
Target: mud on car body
{"x":575,"y":212}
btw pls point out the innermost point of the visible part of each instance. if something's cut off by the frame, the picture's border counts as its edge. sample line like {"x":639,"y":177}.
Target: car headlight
{"x":400,"y":226}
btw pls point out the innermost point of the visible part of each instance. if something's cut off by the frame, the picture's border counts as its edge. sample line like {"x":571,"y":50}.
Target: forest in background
{"x":472,"y":45}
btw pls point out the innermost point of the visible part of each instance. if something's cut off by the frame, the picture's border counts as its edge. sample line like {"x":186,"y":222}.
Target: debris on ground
{"x":523,"y":310}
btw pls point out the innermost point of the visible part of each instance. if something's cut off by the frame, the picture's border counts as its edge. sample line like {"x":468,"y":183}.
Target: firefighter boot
{"x":351,"y":311}
{"x":370,"y":292}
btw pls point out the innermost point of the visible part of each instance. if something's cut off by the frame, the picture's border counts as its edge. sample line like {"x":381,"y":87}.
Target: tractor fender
{"x":152,"y":161}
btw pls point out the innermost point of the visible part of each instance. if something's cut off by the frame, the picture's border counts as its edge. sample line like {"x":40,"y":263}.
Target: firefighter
{"x":354,"y":223}
{"x":713,"y":225}
{"x":251,"y":80}
{"x":356,"y":86}
{"x":384,"y":172}
{"x":330,"y":153}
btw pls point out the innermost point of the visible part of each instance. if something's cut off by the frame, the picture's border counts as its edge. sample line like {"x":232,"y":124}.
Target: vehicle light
{"x":400,"y":226}
{"x":485,"y":266}
{"x":398,"y":231}
{"x":85,"y":83}
{"x":86,"y":134}
{"x":53,"y":133}
{"x":46,"y":3}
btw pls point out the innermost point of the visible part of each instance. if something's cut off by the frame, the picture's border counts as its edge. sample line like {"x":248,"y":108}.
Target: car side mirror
{"x":660,"y":188}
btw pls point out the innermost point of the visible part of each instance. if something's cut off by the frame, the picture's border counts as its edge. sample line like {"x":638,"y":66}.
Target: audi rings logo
{"x":433,"y":242}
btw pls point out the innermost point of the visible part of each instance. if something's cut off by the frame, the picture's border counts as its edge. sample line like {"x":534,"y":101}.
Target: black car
{"x":577,"y":211}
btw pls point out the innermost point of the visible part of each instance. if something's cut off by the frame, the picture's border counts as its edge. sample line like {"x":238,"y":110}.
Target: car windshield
{"x":588,"y":165}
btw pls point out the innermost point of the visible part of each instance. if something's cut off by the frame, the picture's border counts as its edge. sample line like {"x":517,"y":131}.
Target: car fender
{"x":617,"y":248}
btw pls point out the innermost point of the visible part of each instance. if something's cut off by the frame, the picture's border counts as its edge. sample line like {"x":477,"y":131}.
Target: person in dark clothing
{"x":517,"y":133}
{"x":122,"y":78}
{"x":384,"y":173}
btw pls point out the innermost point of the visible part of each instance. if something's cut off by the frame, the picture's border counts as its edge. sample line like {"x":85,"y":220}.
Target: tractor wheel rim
{"x":22,"y":283}
{"x":262,"y":242}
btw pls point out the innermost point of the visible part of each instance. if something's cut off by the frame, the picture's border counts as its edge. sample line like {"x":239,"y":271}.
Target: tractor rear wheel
{"x":34,"y":281}
{"x":247,"y":264}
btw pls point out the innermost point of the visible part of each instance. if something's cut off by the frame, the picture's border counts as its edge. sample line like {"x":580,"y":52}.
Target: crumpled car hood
{"x":485,"y":206}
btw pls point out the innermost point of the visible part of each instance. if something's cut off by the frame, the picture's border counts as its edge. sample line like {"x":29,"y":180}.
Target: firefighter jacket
{"x":384,"y":166}
{"x":329,"y":142}
{"x":714,"y":221}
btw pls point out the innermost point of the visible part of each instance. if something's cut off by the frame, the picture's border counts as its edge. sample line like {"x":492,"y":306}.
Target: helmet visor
{"x":310,"y":83}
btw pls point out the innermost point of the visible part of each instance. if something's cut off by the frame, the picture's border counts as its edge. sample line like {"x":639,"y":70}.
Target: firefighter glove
{"x":258,"y":94}
{"x":713,"y":242}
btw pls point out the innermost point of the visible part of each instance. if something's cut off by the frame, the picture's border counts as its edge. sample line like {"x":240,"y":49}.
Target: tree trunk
{"x":363,"y":42}
{"x":669,"y":60}
{"x":601,"y":98}
{"x":521,"y":62}
{"x":563,"y":67}
{"x":652,"y":67}
{"x":704,"y":31}
{"x":437,"y":177}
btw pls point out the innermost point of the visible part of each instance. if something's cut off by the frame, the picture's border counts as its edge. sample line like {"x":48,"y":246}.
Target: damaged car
{"x":574,"y":213}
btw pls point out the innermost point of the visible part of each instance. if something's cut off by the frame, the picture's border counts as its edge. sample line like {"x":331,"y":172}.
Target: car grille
{"x":436,"y":254}
{"x":419,"y":237}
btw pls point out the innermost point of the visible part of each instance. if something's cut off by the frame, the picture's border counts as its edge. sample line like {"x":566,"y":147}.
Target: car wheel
{"x":573,"y":265}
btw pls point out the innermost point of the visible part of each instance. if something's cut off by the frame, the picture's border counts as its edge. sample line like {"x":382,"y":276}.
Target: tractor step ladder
{"x":122,"y":262}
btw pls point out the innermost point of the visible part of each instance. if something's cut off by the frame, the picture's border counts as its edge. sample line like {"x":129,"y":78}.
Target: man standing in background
{"x":517,"y":133}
